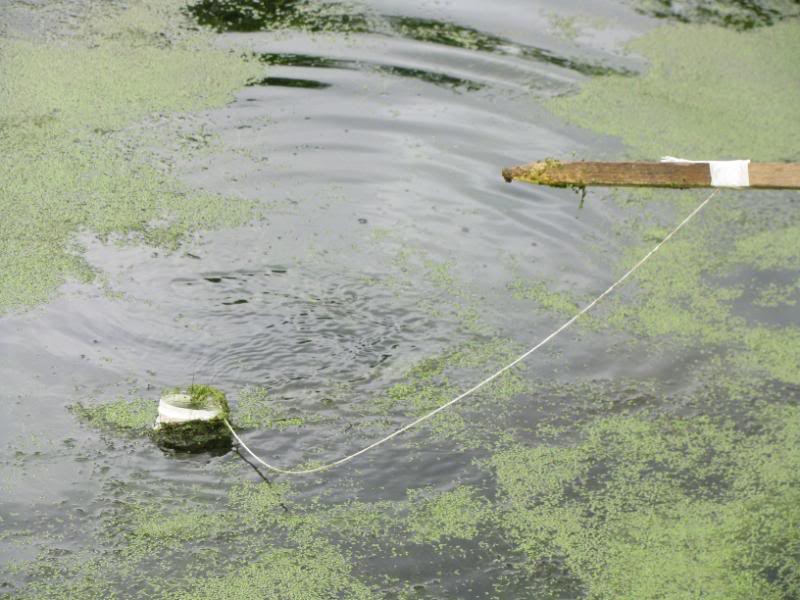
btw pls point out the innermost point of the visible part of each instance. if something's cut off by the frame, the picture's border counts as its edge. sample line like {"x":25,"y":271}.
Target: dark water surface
{"x":376,"y":138}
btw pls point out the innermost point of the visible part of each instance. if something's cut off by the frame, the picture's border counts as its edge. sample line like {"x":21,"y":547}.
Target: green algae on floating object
{"x":136,"y":417}
{"x":193,"y":421}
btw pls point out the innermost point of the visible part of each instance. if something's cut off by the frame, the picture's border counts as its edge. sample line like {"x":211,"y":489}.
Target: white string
{"x":489,"y":379}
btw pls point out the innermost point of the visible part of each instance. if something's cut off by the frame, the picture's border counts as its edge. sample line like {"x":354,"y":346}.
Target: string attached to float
{"x":489,"y":379}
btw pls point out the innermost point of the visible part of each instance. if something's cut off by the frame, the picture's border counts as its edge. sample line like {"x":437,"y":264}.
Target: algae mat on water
{"x":663,"y":508}
{"x":72,"y":161}
{"x":671,"y":507}
{"x":708,"y":93}
{"x":642,"y":504}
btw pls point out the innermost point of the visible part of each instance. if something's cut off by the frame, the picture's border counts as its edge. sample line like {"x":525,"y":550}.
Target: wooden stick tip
{"x":536,"y":172}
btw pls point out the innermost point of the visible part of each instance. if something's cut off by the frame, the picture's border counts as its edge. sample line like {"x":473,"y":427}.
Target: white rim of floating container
{"x":170,"y":414}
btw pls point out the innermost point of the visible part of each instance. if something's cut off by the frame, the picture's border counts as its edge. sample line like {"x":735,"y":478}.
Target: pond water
{"x":346,"y":257}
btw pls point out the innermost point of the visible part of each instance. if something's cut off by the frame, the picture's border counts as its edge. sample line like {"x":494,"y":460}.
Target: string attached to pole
{"x":476,"y":387}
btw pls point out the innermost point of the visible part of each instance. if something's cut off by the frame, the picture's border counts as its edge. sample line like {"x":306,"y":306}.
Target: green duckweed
{"x":137,"y":415}
{"x":547,"y":299}
{"x":635,"y":507}
{"x":313,"y":571}
{"x":437,"y":379}
{"x":438,"y":517}
{"x":662,"y":509}
{"x":774,"y":295}
{"x":671,"y":507}
{"x":74,"y":163}
{"x":694,"y":101}
{"x":679,"y":107}
{"x":773,"y":249}
{"x":259,"y":505}
{"x":157,"y":529}
{"x":256,"y":409}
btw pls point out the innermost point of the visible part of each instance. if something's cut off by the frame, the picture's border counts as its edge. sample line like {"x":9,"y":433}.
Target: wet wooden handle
{"x":775,"y":175}
{"x":646,"y":174}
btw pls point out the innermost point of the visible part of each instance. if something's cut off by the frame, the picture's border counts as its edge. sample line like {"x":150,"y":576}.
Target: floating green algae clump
{"x":709,"y":93}
{"x":135,"y":416}
{"x":243,"y":545}
{"x":455,"y":514}
{"x":545,"y":298}
{"x":431,"y":383}
{"x":255,"y":409}
{"x":71,"y":163}
{"x":663,"y":509}
{"x":314,"y":571}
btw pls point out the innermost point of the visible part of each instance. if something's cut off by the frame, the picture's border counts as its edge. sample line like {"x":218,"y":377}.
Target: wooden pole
{"x":646,"y":174}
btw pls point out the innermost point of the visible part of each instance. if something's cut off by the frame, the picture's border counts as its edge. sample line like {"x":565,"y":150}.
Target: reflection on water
{"x":321,"y":62}
{"x":450,"y":34}
{"x":267,"y":15}
{"x":344,"y":18}
{"x":737,"y":14}
{"x":306,"y":84}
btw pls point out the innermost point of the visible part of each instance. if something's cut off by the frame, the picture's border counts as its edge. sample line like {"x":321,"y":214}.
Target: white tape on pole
{"x":724,"y":173}
{"x":730,"y":173}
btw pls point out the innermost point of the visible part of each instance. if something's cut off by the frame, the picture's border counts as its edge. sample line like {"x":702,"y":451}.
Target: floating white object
{"x":724,"y":173}
{"x":174,"y":409}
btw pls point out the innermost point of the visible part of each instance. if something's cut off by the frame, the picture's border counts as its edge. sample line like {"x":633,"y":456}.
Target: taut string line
{"x":489,"y":379}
